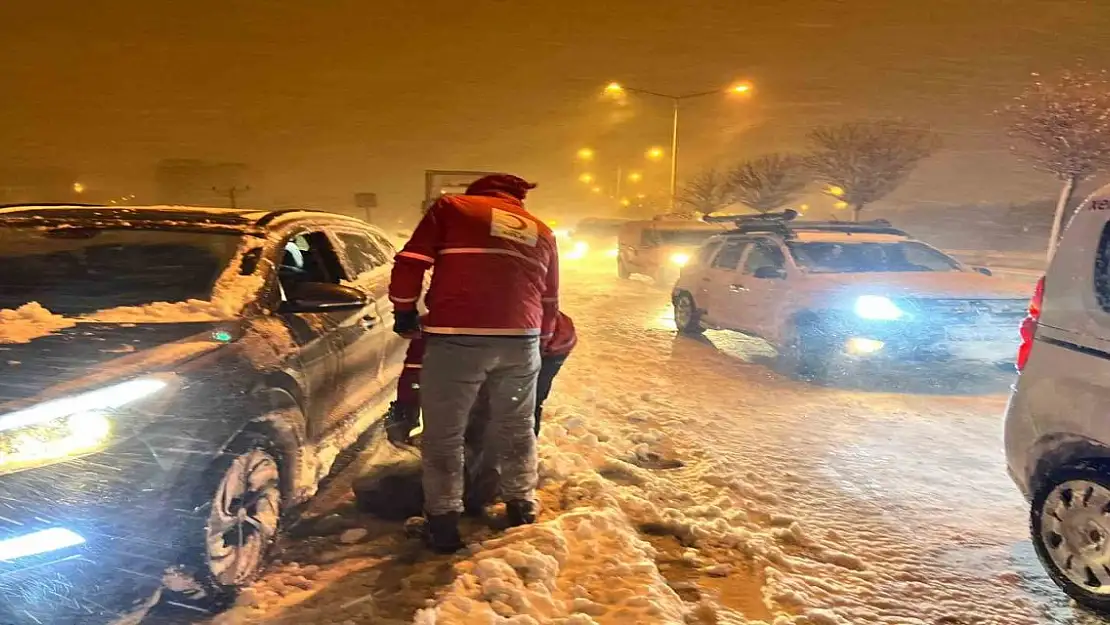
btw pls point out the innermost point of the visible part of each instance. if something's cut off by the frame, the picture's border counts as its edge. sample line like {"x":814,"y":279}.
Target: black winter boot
{"x":442,"y":533}
{"x":520,"y":512}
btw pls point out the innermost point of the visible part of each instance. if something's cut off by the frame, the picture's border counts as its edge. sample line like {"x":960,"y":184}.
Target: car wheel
{"x":1070,"y":527}
{"x":804,"y":353}
{"x":622,"y":270}
{"x":687,"y":318}
{"x":230,"y":545}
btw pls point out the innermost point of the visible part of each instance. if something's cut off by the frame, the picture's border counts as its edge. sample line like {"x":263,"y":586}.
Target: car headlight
{"x":877,"y":307}
{"x":579,"y":250}
{"x":66,"y":427}
{"x":680,"y":259}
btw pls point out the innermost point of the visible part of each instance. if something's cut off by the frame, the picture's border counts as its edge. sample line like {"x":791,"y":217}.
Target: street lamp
{"x":586,"y":154}
{"x":615,"y":89}
{"x":635,"y":176}
{"x":586,"y":178}
{"x":656,"y":154}
{"x":78,"y":187}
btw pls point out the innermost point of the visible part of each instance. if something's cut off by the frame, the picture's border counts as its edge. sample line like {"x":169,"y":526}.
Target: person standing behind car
{"x":493,"y":297}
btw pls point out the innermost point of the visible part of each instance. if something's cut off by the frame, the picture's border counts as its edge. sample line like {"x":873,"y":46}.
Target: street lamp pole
{"x":676,"y":101}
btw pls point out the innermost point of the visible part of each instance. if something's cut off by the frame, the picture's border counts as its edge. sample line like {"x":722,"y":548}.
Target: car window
{"x":764,"y":254}
{"x":385,"y":245}
{"x":869,"y":257}
{"x":309,"y":257}
{"x":362,"y":254}
{"x":706,"y":253}
{"x":730,"y":254}
{"x":1102,"y":270}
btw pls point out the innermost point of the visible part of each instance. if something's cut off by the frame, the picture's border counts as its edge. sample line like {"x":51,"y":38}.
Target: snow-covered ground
{"x":684,"y":482}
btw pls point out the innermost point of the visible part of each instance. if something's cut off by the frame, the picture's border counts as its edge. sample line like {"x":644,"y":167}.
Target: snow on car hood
{"x":920,"y":284}
{"x":88,"y":355}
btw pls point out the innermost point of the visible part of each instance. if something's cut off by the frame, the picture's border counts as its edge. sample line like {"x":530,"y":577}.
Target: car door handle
{"x":737,"y":288}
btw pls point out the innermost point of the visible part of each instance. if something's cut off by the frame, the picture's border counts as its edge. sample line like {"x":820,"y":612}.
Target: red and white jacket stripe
{"x":496,"y":268}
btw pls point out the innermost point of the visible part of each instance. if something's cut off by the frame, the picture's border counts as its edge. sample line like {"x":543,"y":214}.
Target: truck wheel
{"x":687,"y":318}
{"x":1071,"y":531}
{"x":804,"y":353}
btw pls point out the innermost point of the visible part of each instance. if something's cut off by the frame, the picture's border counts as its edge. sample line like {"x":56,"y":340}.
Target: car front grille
{"x":1003,"y":312}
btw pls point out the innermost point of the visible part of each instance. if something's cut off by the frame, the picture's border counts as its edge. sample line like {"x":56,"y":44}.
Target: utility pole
{"x":231,"y":193}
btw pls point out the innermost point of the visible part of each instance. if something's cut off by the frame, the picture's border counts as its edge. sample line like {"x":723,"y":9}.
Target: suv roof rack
{"x":783,"y":224}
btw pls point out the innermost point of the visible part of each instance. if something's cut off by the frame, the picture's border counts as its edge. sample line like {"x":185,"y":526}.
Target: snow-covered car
{"x":593,"y":239}
{"x":1057,"y":432}
{"x":660,"y":247}
{"x":820,"y":291}
{"x":174,"y":383}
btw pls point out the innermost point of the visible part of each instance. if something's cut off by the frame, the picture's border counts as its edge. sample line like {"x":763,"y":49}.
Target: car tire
{"x":1062,"y":527}
{"x":622,"y":270}
{"x":228,"y":549}
{"x":687,"y":317}
{"x":804,"y":354}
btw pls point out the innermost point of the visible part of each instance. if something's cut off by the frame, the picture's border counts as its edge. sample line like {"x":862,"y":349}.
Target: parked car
{"x":174,"y":383}
{"x":593,"y":239}
{"x":659,"y":248}
{"x":1057,"y":432}
{"x":819,"y":291}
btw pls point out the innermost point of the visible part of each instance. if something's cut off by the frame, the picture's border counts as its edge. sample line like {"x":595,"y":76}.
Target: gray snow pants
{"x":455,"y":369}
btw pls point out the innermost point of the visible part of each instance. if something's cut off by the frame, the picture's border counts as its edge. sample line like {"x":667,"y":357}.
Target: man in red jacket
{"x":481,"y":473}
{"x":493,"y":297}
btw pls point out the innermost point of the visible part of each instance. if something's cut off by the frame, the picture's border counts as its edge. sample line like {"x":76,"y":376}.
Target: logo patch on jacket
{"x":506,"y":225}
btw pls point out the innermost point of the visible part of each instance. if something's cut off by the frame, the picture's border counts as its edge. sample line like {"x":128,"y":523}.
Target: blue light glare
{"x":878,"y":308}
{"x":35,"y":543}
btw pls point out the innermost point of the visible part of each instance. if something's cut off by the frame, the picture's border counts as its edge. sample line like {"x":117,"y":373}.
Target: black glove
{"x":406,"y":322}
{"x":400,"y":421}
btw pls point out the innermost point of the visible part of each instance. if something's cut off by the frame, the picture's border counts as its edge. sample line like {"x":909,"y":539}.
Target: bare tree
{"x":767,"y":182}
{"x":1065,"y":129}
{"x":706,"y":192}
{"x":862,"y":162}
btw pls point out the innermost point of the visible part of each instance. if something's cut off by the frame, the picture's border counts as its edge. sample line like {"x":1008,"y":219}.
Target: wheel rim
{"x":1075,"y":532}
{"x":683,"y":312}
{"x":244,"y":517}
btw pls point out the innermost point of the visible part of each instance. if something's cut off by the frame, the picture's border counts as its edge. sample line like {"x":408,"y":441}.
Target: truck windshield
{"x":899,"y":256}
{"x":80,"y":271}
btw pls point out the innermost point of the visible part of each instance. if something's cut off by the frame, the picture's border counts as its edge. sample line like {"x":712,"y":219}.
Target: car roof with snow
{"x":247,"y":221}
{"x":784,"y":225}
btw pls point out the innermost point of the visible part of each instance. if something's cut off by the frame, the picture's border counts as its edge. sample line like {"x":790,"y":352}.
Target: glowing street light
{"x":596,"y":190}
{"x":635,"y":176}
{"x":656,"y":154}
{"x":585,"y":154}
{"x":835,"y":191}
{"x":586,"y":178}
{"x":615,"y":90}
{"x":78,"y":187}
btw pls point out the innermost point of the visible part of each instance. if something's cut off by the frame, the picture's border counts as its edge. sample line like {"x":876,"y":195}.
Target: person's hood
{"x":92,"y":355}
{"x":925,"y":284}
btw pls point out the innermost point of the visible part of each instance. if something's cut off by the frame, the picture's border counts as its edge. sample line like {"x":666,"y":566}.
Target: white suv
{"x":1058,"y":420}
{"x":820,"y":291}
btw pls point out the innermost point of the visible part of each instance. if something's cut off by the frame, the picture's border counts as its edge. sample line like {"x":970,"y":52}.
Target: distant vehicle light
{"x":859,"y":346}
{"x":680,"y":259}
{"x":578,"y":251}
{"x":877,"y":308}
{"x":613,"y":253}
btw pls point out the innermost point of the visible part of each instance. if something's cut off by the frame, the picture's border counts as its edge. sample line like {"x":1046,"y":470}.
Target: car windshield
{"x":869,"y":257}
{"x":683,"y":238}
{"x":76,"y":272}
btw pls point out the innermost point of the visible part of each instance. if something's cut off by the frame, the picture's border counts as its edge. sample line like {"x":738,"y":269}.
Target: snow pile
{"x":586,"y":566}
{"x":29,"y":322}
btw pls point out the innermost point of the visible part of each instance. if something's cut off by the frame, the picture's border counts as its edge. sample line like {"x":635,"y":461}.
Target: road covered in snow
{"x":686,"y":482}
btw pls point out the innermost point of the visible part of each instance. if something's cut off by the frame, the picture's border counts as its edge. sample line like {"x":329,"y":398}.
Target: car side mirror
{"x":319,"y":297}
{"x":984,"y":271}
{"x":770,"y":273}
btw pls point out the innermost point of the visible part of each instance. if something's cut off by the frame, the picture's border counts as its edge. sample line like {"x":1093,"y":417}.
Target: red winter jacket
{"x":496,"y":268}
{"x":562,"y":342}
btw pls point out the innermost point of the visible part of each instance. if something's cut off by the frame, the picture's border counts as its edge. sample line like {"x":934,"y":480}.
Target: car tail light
{"x":1029,"y":324}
